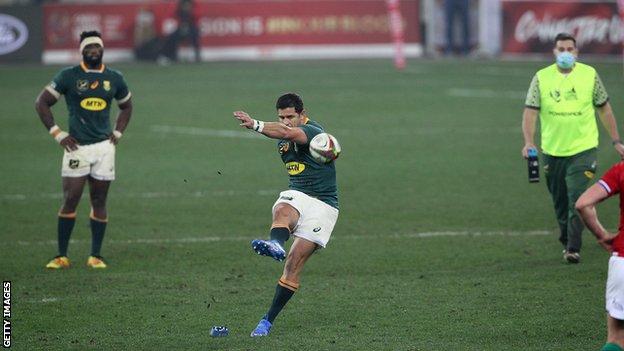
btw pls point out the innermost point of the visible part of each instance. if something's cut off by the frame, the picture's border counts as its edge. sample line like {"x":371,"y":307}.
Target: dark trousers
{"x":457,"y":9}
{"x":567,"y":178}
{"x":184,"y":32}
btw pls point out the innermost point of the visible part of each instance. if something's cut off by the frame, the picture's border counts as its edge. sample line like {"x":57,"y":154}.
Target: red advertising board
{"x":236,"y":23}
{"x":531,"y":26}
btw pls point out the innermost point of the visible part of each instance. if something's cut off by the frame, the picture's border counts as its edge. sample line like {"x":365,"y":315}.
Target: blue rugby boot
{"x":270,"y":248}
{"x":263,"y":328}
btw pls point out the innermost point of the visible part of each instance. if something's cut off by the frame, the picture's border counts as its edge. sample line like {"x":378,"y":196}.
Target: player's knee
{"x":70,"y":201}
{"x":98,"y":201}
{"x":285,"y":214}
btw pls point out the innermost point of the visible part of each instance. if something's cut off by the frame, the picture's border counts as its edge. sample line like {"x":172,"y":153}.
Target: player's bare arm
{"x":123,"y":118}
{"x":274,"y":130}
{"x":586,"y":206}
{"x":529,"y":117}
{"x":605,"y":112}
{"x":43,"y":105}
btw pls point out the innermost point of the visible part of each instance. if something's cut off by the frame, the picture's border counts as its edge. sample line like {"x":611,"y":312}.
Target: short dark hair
{"x":290,"y":100}
{"x":92,"y":33}
{"x":565,"y":36}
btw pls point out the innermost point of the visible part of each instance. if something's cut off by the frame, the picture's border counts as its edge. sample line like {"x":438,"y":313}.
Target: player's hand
{"x":69,"y":143}
{"x":525,"y":149}
{"x":113,"y":139}
{"x":607,"y":241}
{"x":619,"y":147}
{"x":244,"y":118}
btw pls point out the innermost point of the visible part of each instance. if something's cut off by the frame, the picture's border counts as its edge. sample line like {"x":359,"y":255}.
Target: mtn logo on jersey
{"x":295,"y":168}
{"x":93,"y":104}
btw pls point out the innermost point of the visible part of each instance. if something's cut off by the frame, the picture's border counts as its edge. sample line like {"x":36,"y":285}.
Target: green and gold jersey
{"x":305,"y":174}
{"x":88,"y":94}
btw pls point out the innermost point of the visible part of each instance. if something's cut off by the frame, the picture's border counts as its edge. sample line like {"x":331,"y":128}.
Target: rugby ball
{"x":324,"y":148}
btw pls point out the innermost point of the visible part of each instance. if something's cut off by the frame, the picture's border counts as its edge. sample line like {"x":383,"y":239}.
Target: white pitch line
{"x":485,"y":93}
{"x":149,"y":195}
{"x":220,"y":133}
{"x":211,"y":239}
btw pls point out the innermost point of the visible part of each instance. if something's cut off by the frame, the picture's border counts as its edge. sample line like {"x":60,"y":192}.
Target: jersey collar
{"x":87,"y":70}
{"x":305,"y":120}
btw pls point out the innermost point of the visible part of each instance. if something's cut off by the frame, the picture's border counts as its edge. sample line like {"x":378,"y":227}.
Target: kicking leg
{"x":299,"y":253}
{"x":285,"y":218}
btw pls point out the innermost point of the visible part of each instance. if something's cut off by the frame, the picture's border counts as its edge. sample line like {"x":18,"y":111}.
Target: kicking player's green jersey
{"x":88,"y":94}
{"x":306,"y":175}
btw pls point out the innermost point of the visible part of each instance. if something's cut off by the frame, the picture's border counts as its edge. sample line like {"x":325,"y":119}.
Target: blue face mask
{"x":565,"y":60}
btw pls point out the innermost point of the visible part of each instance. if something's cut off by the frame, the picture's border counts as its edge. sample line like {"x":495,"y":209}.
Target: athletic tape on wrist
{"x":60,"y":136}
{"x":258,"y":126}
{"x":117,"y":134}
{"x":56,"y":132}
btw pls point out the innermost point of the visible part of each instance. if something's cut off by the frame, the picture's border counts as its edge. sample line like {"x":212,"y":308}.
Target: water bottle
{"x":533,"y":164}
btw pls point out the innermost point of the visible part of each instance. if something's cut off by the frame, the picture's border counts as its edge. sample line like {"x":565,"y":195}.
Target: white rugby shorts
{"x":96,"y":160}
{"x":316,"y":218}
{"x":615,"y":288}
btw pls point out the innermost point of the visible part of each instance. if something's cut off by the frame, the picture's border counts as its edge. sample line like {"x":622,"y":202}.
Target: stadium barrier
{"x":239,"y":29}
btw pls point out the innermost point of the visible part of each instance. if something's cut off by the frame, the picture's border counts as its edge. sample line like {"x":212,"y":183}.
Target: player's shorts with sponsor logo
{"x":96,"y":160}
{"x":615,"y":287}
{"x":316,"y":218}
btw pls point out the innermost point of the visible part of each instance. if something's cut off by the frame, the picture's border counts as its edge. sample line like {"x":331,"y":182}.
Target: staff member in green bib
{"x":89,"y":89}
{"x":566,"y":96}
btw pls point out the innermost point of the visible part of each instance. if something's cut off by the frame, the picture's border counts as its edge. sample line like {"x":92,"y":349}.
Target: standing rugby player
{"x":89,"y":146}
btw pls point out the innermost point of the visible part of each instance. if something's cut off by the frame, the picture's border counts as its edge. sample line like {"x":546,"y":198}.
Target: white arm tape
{"x":258,"y":126}
{"x":117,"y":134}
{"x":57,"y":133}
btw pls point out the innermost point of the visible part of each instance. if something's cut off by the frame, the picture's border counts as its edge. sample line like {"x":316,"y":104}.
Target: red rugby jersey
{"x":613,"y":183}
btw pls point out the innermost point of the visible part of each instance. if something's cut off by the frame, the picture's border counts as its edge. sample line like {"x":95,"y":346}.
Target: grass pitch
{"x":441,"y":242}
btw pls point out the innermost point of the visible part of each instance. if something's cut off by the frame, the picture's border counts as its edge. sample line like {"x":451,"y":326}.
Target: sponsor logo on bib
{"x":93,"y":104}
{"x":295,"y":168}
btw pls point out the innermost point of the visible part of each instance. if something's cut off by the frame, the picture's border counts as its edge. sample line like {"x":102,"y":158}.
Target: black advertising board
{"x":21,"y":37}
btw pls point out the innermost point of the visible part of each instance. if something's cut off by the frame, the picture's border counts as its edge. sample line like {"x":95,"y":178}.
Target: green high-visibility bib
{"x":567,"y":115}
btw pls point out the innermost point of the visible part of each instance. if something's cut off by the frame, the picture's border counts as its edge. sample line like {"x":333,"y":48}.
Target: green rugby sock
{"x":283,"y":292}
{"x":611,"y":347}
{"x":65,"y":227}
{"x":280,"y":234}
{"x":98,"y":228}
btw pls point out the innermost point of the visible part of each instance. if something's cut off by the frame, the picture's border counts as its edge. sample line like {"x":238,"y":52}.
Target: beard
{"x":92,"y":60}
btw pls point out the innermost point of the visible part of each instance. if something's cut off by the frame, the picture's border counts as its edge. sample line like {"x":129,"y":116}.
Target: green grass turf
{"x":432,"y":149}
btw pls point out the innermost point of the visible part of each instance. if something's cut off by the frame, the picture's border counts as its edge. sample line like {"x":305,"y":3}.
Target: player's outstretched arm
{"x":123,"y":118}
{"x":43,"y":105}
{"x":274,"y":130}
{"x":586,"y":206}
